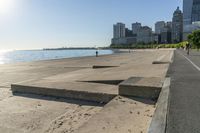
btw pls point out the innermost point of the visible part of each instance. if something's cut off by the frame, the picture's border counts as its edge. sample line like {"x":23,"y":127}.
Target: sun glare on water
{"x":6,"y":6}
{"x":2,"y":55}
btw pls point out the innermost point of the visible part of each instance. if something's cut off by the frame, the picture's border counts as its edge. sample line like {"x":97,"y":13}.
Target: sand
{"x":28,"y":113}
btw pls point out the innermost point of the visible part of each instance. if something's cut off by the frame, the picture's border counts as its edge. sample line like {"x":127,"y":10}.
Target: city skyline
{"x":48,"y":24}
{"x":164,"y":32}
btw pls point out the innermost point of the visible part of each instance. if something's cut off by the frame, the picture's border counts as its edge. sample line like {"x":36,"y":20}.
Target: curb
{"x":159,"y":120}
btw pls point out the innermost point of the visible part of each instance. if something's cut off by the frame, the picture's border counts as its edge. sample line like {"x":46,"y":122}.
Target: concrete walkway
{"x":184,"y":103}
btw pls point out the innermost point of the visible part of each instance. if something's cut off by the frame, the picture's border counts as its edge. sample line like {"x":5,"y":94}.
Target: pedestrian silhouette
{"x":188,"y":48}
{"x":96,"y":53}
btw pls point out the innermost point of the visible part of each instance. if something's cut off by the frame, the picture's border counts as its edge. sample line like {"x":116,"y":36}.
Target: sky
{"x":35,"y":24}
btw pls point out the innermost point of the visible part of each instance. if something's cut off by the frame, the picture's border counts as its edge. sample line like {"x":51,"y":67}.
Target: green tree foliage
{"x":148,"y":46}
{"x":194,"y":38}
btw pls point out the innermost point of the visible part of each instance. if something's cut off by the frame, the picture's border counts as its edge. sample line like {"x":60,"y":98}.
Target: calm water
{"x":35,"y":55}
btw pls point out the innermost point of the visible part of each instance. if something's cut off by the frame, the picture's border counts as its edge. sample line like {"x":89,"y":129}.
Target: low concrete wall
{"x":63,"y":93}
{"x":158,"y":124}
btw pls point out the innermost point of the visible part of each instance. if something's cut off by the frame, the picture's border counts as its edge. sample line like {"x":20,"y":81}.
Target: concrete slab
{"x":165,"y":59}
{"x":76,"y":90}
{"x":147,"y":87}
{"x":121,"y":115}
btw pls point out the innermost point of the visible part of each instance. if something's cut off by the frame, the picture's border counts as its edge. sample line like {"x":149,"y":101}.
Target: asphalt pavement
{"x":184,"y":100}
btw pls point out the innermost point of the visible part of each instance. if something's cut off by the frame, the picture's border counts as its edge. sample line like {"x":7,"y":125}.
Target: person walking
{"x":188,"y":48}
{"x":97,"y":53}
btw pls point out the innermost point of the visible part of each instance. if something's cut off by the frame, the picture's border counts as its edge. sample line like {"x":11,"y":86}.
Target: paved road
{"x":184,"y":104}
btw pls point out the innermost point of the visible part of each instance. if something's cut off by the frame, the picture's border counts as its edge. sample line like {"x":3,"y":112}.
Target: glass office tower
{"x":191,"y":17}
{"x":187,"y":12}
{"x":196,"y":11}
{"x":191,"y":11}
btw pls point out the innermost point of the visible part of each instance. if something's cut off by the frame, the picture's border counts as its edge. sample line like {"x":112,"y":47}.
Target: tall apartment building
{"x":163,"y":30}
{"x":145,"y":35}
{"x":138,"y":34}
{"x":169,"y":25}
{"x":165,"y":36}
{"x":128,"y":33}
{"x":135,"y":27}
{"x":119,"y":30}
{"x":159,"y":26}
{"x":177,"y":26}
{"x":122,"y":35}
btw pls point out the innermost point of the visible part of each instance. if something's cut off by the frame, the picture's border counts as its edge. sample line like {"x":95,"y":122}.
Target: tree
{"x":194,"y":38}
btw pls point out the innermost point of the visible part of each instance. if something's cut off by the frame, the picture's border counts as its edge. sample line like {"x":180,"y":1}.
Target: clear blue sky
{"x":31,"y":24}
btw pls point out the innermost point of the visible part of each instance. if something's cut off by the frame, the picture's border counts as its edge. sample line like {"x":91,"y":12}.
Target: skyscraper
{"x":169,"y":25}
{"x":128,"y":33}
{"x":177,"y":26}
{"x":187,"y":12}
{"x":165,"y":35}
{"x":196,"y":11}
{"x":159,"y":26}
{"x":119,"y":30}
{"x":135,"y":27}
{"x":191,"y":11}
{"x":191,"y":16}
{"x":144,"y":35}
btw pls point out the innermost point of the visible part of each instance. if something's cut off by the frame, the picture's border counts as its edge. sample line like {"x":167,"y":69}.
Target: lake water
{"x":35,"y":55}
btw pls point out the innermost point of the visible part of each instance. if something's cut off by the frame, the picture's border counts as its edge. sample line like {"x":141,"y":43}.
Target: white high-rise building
{"x":119,"y":30}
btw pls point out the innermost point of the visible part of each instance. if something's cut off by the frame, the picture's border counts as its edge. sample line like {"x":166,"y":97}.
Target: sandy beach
{"x":30,"y":113}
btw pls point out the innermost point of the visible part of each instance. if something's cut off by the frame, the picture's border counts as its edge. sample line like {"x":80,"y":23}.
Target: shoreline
{"x":86,"y":56}
{"x":114,"y":51}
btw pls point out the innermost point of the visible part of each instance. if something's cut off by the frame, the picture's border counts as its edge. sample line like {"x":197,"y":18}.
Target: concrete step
{"x":76,"y":90}
{"x":143,"y":87}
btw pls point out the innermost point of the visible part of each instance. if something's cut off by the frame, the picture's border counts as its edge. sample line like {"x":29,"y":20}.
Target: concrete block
{"x":146,"y":87}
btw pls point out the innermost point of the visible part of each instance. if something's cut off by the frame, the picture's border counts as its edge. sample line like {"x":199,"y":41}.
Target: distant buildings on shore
{"x":138,"y":34}
{"x":165,"y":32}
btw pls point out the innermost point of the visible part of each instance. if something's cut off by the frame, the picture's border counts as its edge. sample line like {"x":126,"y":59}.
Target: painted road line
{"x":190,"y":61}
